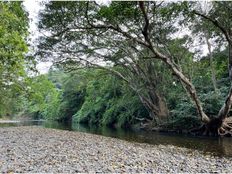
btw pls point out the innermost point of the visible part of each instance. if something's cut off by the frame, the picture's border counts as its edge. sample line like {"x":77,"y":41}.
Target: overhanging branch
{"x":217,"y":24}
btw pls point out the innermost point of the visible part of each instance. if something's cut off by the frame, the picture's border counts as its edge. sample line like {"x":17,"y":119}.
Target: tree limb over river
{"x":129,"y":40}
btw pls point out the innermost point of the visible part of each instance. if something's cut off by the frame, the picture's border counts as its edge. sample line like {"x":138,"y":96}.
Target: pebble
{"x":31,"y":149}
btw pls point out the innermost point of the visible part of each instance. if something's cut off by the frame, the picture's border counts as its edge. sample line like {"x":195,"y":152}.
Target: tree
{"x":129,"y":34}
{"x":13,"y":47}
{"x":72,"y":96}
{"x":131,"y":64}
{"x":42,"y":98}
{"x":204,"y":32}
{"x":219,"y":16}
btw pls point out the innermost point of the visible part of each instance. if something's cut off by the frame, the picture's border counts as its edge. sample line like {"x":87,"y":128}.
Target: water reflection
{"x":216,"y":146}
{"x":226,"y":144}
{"x":21,"y":123}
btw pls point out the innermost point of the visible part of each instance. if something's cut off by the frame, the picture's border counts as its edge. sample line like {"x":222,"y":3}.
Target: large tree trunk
{"x":222,"y":122}
{"x":230,"y":59}
{"x":156,"y":105}
{"x":226,"y":126}
{"x":145,"y":85}
{"x":167,"y":60}
{"x":222,"y":125}
{"x":188,"y":85}
{"x":211,"y":126}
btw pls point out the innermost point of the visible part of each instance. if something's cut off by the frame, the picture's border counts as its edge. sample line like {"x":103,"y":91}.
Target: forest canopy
{"x":134,"y":41}
{"x":129,"y":63}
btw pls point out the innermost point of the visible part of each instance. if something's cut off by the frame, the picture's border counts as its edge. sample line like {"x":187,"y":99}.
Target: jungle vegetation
{"x":132,"y":63}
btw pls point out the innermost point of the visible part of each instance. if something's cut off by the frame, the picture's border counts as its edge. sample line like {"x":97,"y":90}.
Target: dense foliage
{"x":13,"y":47}
{"x":120,"y":64}
{"x":91,"y":97}
{"x":135,"y":41}
{"x":96,"y":97}
{"x":109,"y":102}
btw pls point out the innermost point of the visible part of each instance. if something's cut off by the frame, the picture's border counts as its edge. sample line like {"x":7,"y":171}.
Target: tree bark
{"x":230,"y":59}
{"x":156,"y":105}
{"x":158,"y":55}
{"x":224,"y":111}
{"x":225,"y":125}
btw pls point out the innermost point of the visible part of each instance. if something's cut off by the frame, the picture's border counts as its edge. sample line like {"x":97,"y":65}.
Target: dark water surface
{"x":212,"y":145}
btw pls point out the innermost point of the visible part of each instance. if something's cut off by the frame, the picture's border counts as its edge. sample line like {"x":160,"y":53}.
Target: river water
{"x":209,"y":145}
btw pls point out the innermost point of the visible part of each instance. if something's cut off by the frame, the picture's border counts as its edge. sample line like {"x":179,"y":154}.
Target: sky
{"x":33,"y":7}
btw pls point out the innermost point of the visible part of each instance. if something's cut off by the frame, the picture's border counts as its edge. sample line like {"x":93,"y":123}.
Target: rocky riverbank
{"x":41,"y":150}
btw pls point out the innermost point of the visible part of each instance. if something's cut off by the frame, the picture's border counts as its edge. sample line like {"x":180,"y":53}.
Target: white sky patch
{"x":33,"y":7}
{"x":43,"y":67}
{"x":103,"y":2}
{"x":196,"y":45}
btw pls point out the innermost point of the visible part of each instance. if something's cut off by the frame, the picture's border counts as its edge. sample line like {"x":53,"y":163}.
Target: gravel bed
{"x":32,"y":149}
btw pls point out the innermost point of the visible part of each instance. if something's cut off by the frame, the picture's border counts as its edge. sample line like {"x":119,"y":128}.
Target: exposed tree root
{"x":215,"y":127}
{"x":198,"y":131}
{"x":226,"y":127}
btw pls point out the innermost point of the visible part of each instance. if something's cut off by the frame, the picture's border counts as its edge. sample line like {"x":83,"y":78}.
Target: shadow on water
{"x":212,"y":145}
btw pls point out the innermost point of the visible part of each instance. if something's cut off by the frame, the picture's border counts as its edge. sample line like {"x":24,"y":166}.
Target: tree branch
{"x":145,"y":28}
{"x":217,"y":24}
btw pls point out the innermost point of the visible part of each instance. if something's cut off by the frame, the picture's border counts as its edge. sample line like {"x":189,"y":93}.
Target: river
{"x":209,"y":145}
